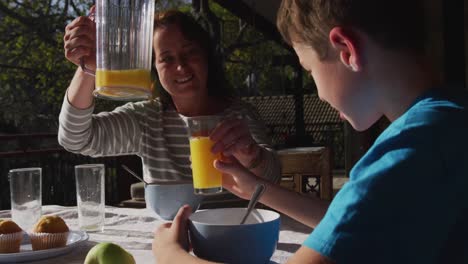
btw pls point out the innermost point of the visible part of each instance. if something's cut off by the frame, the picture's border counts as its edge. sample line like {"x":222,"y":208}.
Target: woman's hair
{"x":193,"y":31}
{"x":394,"y":24}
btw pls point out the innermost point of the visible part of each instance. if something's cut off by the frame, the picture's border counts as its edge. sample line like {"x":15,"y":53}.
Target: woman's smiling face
{"x":181,"y":63}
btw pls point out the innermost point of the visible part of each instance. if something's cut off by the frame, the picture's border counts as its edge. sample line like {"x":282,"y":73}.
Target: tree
{"x":34,"y":73}
{"x":249,"y":58}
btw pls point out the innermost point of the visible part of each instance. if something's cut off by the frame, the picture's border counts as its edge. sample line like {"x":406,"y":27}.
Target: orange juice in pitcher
{"x":114,"y":84}
{"x":124,"y":40}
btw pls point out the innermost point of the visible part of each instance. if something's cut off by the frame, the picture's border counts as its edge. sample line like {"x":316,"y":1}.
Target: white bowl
{"x":166,"y":199}
{"x":216,"y":235}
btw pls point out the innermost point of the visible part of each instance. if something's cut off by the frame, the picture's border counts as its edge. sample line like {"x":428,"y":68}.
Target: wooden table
{"x":133,"y":229}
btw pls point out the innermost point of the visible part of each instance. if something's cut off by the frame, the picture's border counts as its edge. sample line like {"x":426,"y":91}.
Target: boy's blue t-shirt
{"x":407,"y":198}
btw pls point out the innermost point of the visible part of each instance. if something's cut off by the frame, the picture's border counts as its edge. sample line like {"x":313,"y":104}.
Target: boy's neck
{"x":405,"y":79}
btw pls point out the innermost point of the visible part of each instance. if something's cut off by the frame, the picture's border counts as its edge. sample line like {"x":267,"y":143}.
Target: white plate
{"x":26,"y":253}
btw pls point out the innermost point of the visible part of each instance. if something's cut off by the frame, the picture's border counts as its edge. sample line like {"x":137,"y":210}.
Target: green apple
{"x":108,"y":253}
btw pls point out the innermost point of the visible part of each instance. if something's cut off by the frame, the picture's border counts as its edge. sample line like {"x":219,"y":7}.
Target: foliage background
{"x":34,"y":73}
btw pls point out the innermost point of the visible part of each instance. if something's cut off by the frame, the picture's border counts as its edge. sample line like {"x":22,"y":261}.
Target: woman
{"x":155,"y":129}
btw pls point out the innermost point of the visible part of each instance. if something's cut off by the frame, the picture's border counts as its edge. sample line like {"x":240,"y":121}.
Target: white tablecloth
{"x":133,"y":230}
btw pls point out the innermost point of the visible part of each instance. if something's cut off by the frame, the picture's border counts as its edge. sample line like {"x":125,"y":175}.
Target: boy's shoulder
{"x":437,"y":109}
{"x":435,"y":118}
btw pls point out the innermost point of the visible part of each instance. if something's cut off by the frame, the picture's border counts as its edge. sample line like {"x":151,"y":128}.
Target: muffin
{"x":49,"y":232}
{"x":10,"y":236}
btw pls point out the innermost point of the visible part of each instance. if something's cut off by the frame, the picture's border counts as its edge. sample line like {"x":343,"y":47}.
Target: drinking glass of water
{"x":26,"y":196}
{"x":90,"y":196}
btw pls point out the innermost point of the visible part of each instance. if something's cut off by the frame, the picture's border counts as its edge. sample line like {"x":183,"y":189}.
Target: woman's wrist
{"x":257,"y":160}
{"x":80,"y":91}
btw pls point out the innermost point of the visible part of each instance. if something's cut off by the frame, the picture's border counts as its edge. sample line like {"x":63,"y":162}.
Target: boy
{"x":406,"y":200}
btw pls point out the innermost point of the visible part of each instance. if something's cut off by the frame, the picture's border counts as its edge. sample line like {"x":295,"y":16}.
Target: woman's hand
{"x":236,"y":178}
{"x":80,"y":41}
{"x":232,"y":137}
{"x":171,"y":238}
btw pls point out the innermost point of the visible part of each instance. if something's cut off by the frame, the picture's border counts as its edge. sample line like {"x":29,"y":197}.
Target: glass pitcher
{"x":124,"y":40}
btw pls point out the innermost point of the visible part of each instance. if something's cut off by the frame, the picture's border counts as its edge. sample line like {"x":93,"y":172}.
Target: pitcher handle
{"x":91,"y":15}
{"x":86,"y":70}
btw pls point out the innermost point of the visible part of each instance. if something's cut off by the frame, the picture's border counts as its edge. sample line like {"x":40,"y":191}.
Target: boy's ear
{"x":345,"y":43}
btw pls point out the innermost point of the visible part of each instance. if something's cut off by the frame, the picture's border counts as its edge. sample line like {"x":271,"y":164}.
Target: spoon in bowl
{"x":134,"y":174}
{"x":259,"y":189}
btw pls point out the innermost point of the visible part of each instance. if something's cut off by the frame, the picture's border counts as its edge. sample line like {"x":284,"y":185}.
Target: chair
{"x":307,"y":170}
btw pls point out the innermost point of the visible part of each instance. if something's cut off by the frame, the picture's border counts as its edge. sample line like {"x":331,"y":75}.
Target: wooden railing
{"x":58,"y":181}
{"x":318,"y":134}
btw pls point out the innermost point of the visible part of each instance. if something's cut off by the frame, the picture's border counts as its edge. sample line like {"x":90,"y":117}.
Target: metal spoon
{"x":134,"y":174}
{"x":259,"y":189}
{"x":157,"y":182}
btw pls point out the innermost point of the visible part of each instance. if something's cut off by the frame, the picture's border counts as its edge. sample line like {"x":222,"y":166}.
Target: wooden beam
{"x":27,"y":136}
{"x":30,"y":152}
{"x":246,"y":13}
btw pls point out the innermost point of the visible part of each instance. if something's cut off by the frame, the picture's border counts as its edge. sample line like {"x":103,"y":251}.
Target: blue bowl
{"x":216,"y":235}
{"x":166,"y":199}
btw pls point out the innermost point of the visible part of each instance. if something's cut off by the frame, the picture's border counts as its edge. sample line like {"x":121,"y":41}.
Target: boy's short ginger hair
{"x":394,"y":24}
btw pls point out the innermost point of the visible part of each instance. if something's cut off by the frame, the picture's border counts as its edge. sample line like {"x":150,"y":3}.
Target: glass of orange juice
{"x":206,"y":178}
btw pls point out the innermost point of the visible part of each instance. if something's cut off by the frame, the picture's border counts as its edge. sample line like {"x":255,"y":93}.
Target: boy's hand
{"x":172,"y":237}
{"x":236,"y":178}
{"x":232,"y":137}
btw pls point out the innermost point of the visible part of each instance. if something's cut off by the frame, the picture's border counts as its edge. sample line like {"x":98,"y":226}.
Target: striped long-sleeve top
{"x":157,"y":134}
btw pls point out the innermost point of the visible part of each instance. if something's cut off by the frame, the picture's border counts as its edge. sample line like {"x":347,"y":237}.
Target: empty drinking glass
{"x":26,"y":196}
{"x":90,"y":196}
